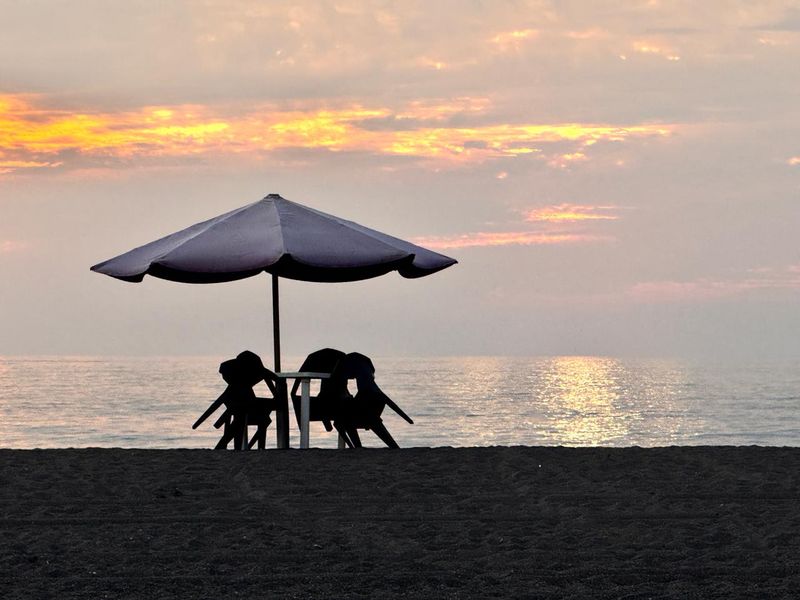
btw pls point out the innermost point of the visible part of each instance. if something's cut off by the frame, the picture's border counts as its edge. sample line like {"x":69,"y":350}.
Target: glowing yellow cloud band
{"x":28,"y":133}
{"x":571,"y":212}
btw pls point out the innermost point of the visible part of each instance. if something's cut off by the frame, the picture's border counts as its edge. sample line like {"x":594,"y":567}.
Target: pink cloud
{"x":505,"y":238}
{"x":555,"y":224}
{"x":704,"y":289}
{"x":10,"y":246}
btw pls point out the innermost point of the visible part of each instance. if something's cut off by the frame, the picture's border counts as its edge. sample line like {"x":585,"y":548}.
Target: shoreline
{"x":504,"y":522}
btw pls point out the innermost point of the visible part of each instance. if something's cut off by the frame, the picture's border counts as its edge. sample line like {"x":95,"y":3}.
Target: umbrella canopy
{"x":279,"y":237}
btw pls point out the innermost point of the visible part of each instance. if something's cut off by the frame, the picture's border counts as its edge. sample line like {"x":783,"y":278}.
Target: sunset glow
{"x":645,"y":47}
{"x":9,"y":246}
{"x":707,"y":289}
{"x":616,"y":177}
{"x":572,"y":212}
{"x":504,"y":238}
{"x":586,"y":386}
{"x":31,"y":135}
{"x":511,"y":40}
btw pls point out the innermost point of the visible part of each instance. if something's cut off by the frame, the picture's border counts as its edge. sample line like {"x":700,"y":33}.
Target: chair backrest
{"x":231,"y":371}
{"x":371,"y":397}
{"x":324,"y":361}
{"x":331,"y":391}
{"x":252,"y":369}
{"x":355,"y":366}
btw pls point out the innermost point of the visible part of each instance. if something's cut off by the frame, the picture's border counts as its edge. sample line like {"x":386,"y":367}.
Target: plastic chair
{"x":242,"y":408}
{"x":324,"y":405}
{"x":365,"y":409}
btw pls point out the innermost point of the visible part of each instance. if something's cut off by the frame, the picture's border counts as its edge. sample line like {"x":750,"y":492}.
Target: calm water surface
{"x":48,"y":402}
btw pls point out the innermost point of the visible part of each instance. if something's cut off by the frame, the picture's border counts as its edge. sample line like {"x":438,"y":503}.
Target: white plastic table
{"x":305,"y":378}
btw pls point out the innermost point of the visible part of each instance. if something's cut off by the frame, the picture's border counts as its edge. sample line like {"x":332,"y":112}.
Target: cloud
{"x":562,"y":161}
{"x":708,"y":289}
{"x":650,"y":47}
{"x":8,"y":166}
{"x":564,"y":213}
{"x":790,"y":21}
{"x":555,"y":224}
{"x":36,"y":136}
{"x":512,"y":41}
{"x":12,"y":246}
{"x":793,"y":161}
{"x":505,"y":238}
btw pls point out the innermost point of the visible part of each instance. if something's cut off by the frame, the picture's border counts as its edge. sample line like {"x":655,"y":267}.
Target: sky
{"x":614,"y":178}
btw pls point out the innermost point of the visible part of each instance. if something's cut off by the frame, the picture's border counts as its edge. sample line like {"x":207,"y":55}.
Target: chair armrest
{"x":224,"y":418}
{"x":268,"y":403}
{"x":270,"y":379}
{"x":214,"y":406}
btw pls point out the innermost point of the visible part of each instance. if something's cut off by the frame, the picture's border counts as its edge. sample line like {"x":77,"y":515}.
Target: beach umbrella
{"x":279,"y":237}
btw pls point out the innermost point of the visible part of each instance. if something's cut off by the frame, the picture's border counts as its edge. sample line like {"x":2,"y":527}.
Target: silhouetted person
{"x":242,"y":407}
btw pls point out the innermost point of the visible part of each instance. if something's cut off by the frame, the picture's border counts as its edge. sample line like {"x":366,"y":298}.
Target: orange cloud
{"x":562,"y":213}
{"x":41,"y":131}
{"x":507,"y":140}
{"x":646,"y":47}
{"x":507,"y":41}
{"x":31,"y":136}
{"x":562,"y":161}
{"x":7,"y":166}
{"x":505,"y":238}
{"x":438,"y":111}
{"x":431,"y":63}
{"x":554,"y":228}
{"x":588,"y":34}
{"x":794,"y":161}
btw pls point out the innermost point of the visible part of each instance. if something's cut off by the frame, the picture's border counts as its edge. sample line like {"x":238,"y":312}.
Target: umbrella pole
{"x":276,"y":323}
{"x":282,"y":421}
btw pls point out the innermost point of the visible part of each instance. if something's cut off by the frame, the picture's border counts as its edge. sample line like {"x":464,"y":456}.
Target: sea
{"x":151,"y":402}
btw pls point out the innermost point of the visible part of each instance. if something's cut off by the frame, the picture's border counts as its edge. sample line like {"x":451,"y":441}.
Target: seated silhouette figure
{"x":332,"y":391}
{"x":364,"y":410}
{"x":242,"y":407}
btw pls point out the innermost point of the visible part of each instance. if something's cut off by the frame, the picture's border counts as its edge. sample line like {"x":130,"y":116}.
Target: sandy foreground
{"x":420,"y":523}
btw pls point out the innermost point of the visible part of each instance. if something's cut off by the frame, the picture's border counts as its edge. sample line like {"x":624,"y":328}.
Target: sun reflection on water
{"x":465,"y":401}
{"x":583,"y":394}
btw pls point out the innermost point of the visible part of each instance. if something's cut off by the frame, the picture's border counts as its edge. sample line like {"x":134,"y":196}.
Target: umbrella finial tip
{"x":273,"y":195}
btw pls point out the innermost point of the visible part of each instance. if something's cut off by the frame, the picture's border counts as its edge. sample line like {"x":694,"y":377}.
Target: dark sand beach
{"x":691,"y":522}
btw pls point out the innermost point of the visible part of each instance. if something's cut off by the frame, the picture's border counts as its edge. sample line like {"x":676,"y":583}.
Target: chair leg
{"x":257,"y":438}
{"x":227,"y":436}
{"x":343,"y":434}
{"x":380,"y":430}
{"x":239,"y":430}
{"x":353,"y":432}
{"x":262,"y":438}
{"x":260,"y":435}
